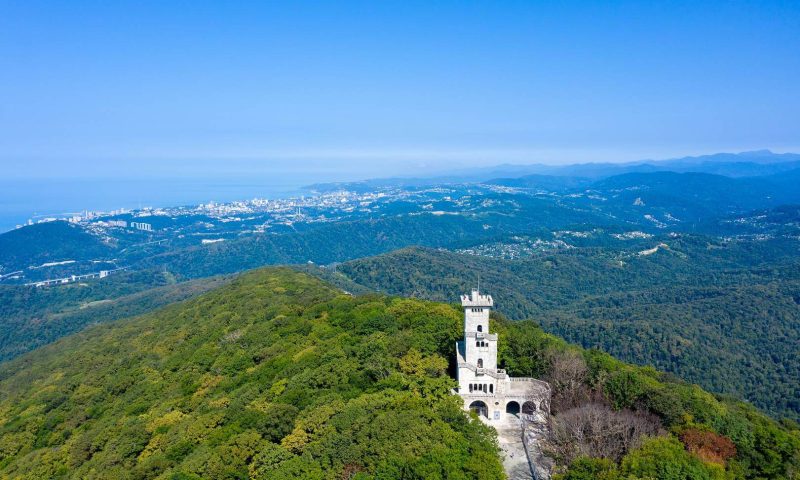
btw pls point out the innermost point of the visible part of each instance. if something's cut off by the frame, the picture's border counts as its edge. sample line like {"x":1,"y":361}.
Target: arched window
{"x":480,"y":328}
{"x":480,"y":363}
{"x":470,"y":388}
{"x":491,"y":388}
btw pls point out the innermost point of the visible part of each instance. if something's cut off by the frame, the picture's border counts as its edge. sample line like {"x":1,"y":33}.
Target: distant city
{"x":285,"y":211}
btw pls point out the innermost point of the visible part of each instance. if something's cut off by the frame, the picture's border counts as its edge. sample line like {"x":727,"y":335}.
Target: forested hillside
{"x":201,"y":241}
{"x":347,"y":240}
{"x":724,"y":315}
{"x":279,"y":376}
{"x":31,"y":317}
{"x":692,"y":198}
{"x":275,"y":376}
{"x":48,"y":242}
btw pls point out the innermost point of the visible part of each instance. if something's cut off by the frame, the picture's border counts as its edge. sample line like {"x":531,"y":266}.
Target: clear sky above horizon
{"x":365,"y":89}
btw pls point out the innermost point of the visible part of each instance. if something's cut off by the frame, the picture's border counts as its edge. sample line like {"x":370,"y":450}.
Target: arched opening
{"x":479,"y":408}
{"x":470,"y":388}
{"x":480,"y":328}
{"x":529,"y":408}
{"x":480,"y":363}
{"x":491,"y":388}
{"x":512,"y":407}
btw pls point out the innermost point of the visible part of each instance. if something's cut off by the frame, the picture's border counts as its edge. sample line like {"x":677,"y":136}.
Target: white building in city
{"x":142,"y":226}
{"x":487,"y":390}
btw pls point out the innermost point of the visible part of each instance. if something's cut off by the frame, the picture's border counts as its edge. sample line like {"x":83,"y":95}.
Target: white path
{"x":515,"y":460}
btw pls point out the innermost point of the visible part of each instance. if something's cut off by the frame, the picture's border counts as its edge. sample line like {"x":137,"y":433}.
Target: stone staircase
{"x":498,"y":374}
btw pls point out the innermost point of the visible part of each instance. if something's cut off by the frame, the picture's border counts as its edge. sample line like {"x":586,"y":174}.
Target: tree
{"x":595,"y":430}
{"x":665,"y":458}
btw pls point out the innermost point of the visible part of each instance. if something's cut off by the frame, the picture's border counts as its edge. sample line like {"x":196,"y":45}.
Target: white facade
{"x":487,"y":390}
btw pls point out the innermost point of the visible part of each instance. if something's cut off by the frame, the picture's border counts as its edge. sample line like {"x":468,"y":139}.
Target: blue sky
{"x":375,"y":88}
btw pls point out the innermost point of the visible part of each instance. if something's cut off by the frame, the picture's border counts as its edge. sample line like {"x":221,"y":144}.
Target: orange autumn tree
{"x":709,"y":446}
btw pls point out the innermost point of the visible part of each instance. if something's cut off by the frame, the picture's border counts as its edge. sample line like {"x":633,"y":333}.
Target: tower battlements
{"x":475,"y":299}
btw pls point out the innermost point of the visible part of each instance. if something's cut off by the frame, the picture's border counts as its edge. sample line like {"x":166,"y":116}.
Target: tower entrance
{"x":479,"y":408}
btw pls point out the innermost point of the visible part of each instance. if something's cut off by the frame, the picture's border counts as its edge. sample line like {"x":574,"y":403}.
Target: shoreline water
{"x":22,"y":200}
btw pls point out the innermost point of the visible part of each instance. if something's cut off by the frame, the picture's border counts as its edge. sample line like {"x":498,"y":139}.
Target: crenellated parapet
{"x":475,"y":299}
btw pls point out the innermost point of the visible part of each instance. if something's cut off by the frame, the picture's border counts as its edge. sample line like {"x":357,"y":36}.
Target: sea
{"x":23,"y":200}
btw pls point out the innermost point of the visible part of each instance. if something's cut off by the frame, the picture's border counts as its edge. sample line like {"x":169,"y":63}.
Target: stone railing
{"x":498,"y":374}
{"x":538,"y":383}
{"x":527,"y":447}
{"x":489,"y":336}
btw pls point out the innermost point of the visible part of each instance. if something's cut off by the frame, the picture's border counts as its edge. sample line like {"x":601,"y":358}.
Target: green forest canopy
{"x":723,"y":314}
{"x":279,"y":375}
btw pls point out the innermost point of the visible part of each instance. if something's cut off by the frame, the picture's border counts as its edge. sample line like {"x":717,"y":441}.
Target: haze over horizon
{"x":359,"y":90}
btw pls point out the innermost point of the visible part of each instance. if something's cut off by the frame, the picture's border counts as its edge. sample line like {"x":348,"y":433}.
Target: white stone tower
{"x":486,"y":389}
{"x":480,"y":346}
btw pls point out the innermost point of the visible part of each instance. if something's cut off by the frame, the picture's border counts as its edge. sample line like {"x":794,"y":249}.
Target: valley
{"x":666,"y":271}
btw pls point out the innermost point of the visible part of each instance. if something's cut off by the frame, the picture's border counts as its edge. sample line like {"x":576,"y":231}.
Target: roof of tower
{"x":475,"y":299}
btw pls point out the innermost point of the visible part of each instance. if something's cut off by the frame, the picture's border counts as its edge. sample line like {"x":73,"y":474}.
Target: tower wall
{"x":475,"y":317}
{"x":481,"y":350}
{"x":480,"y":347}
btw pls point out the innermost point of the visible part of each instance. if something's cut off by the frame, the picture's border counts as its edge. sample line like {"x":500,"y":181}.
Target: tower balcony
{"x":498,"y":373}
{"x":481,"y":335}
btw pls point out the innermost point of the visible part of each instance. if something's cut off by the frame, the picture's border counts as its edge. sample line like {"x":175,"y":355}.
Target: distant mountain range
{"x":744,"y":164}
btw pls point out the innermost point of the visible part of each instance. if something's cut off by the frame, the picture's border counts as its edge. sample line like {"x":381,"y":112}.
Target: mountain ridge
{"x":749,"y":163}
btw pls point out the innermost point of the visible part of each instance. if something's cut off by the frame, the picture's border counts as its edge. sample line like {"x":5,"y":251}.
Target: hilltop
{"x":274,"y":376}
{"x":52,"y":242}
{"x":279,"y":375}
